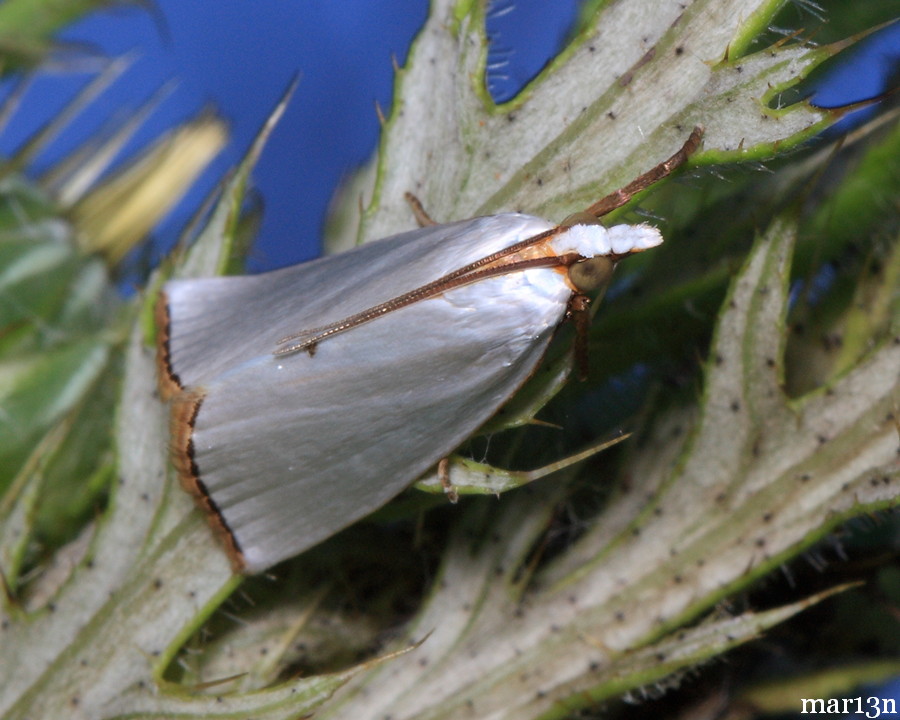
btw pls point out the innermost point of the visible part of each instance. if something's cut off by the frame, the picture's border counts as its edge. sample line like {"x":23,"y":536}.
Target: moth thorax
{"x":591,"y":273}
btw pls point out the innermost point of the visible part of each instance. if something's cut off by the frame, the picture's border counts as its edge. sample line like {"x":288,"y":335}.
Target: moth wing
{"x":292,"y":449}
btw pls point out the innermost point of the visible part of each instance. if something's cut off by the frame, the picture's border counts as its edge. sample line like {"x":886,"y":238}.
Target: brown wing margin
{"x":185,"y":407}
{"x":167,"y":379}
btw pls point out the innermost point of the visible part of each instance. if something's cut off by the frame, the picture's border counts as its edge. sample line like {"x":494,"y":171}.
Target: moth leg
{"x":443,"y":471}
{"x":579,"y":313}
{"x":422,"y":217}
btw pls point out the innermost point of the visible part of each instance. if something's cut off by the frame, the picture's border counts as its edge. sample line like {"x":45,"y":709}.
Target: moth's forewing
{"x":291,"y":449}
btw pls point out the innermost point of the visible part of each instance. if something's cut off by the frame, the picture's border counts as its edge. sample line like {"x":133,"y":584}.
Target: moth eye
{"x":580,"y":218}
{"x":591,"y":273}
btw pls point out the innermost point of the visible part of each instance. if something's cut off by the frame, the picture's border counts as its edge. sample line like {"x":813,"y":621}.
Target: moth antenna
{"x":481,"y":268}
{"x":620,"y":197}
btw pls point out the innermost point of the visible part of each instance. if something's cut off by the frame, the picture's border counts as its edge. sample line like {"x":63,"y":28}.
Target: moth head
{"x":588,"y":274}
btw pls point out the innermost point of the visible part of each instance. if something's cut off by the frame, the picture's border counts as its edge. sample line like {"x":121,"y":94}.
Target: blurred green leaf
{"x":27,"y":27}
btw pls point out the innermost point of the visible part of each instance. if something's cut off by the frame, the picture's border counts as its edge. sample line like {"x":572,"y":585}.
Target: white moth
{"x":305,"y":398}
